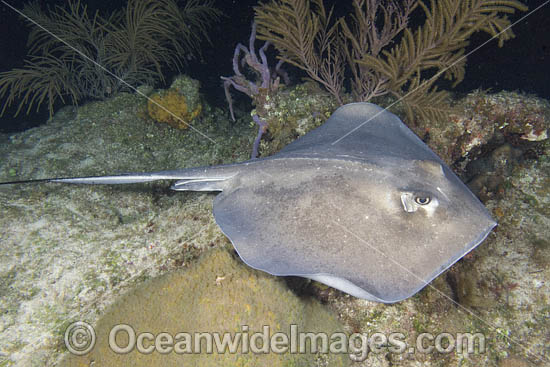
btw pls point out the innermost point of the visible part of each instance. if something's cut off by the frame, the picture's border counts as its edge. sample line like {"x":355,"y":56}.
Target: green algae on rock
{"x":291,"y":113}
{"x":219,"y":295}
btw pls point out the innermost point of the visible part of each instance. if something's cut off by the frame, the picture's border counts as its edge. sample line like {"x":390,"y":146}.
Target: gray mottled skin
{"x":374,"y":213}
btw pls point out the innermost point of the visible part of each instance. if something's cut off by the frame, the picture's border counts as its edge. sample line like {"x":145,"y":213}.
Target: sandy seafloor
{"x":68,"y":252}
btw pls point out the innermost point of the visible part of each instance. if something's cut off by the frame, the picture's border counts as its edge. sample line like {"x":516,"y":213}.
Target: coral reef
{"x":488,"y":135}
{"x":513,"y":268}
{"x":374,"y":48}
{"x":69,"y":251}
{"x":67,"y":254}
{"x":283,"y":113}
{"x":291,"y":113}
{"x":96,"y":56}
{"x":177,"y":106}
{"x":218,"y":294}
{"x":506,"y":116}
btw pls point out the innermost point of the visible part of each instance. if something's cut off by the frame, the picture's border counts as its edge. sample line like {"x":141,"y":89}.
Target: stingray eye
{"x":413,"y":201}
{"x":422,"y":200}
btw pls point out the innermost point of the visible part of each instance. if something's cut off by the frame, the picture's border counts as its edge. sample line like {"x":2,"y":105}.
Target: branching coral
{"x":267,"y":79}
{"x":438,"y":47}
{"x":94,"y":56}
{"x":374,"y":47}
{"x":266,"y":82}
{"x":301,"y":32}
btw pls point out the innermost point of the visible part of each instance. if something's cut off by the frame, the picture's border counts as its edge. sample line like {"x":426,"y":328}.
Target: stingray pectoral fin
{"x":207,"y":184}
{"x":346,"y":286}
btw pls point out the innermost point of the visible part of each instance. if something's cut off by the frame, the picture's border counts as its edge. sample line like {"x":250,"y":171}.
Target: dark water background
{"x":522,"y":64}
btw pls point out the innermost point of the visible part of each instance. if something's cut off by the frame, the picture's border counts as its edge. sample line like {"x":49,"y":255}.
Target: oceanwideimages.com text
{"x":124,"y":339}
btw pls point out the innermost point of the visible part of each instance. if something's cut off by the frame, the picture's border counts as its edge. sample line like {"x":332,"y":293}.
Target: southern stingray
{"x":374,"y":213}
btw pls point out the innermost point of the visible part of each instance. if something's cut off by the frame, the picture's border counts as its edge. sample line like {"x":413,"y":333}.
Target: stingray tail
{"x":126,"y":178}
{"x":194,"y":179}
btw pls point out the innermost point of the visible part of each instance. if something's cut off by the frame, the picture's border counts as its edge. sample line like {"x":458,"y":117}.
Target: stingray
{"x":360,"y":204}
